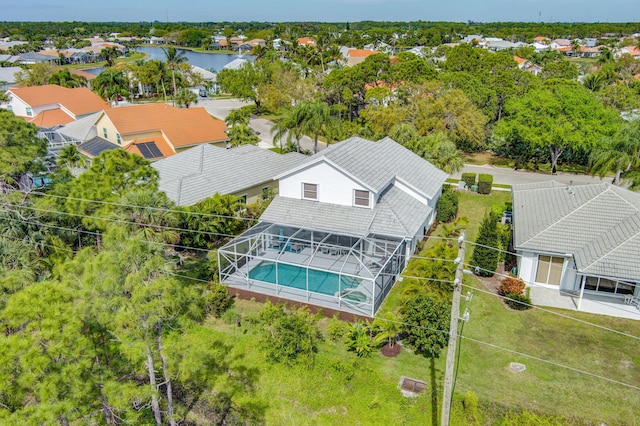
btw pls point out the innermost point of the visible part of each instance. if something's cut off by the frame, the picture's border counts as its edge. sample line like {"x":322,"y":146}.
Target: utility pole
{"x":453,"y":334}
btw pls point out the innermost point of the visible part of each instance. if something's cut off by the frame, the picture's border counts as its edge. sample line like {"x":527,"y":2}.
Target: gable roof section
{"x":78,"y":101}
{"x":198,"y":173}
{"x":182,"y":127}
{"x":377,"y":164}
{"x":51,"y":118}
{"x":598,"y":224}
{"x":82,"y":129}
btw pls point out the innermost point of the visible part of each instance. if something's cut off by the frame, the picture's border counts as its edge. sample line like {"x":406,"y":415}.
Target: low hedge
{"x":447,"y":206}
{"x":484,"y":183}
{"x":469,"y":179}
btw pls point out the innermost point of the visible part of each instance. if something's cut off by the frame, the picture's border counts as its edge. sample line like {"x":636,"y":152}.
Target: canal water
{"x":209,"y":61}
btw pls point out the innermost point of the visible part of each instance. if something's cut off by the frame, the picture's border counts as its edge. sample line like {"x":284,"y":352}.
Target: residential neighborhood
{"x":363,"y":222}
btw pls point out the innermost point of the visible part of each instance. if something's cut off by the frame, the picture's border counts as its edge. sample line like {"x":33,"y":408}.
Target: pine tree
{"x":485,"y":256}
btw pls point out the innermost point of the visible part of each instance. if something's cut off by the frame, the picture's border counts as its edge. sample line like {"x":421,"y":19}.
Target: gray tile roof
{"x":198,"y":173}
{"x":397,"y":214}
{"x":8,"y":74}
{"x":377,"y":164}
{"x":598,"y":224}
{"x":82,"y":129}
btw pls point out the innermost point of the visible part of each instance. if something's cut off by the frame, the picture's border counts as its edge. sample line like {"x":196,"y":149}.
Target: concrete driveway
{"x":220,"y":108}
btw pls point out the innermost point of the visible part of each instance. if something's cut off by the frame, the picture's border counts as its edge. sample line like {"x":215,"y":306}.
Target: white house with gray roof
{"x":582,"y":239}
{"x":200,"y":172}
{"x":342,"y":228}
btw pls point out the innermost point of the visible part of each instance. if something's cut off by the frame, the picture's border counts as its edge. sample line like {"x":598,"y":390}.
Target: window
{"x":361,"y":198}
{"x":29,"y":112}
{"x":9,"y":108}
{"x":549,"y":270}
{"x":243,"y":198}
{"x":309,"y":191}
{"x":104,"y":133}
{"x":118,"y":139}
{"x":608,"y":286}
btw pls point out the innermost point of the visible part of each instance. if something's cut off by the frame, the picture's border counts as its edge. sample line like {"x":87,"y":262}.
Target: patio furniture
{"x":296,"y":247}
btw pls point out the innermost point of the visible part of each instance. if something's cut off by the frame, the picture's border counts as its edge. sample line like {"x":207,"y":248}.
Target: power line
{"x":442,"y":331}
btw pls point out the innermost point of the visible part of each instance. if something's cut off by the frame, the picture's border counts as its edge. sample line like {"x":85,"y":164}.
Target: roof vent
{"x":570,"y":190}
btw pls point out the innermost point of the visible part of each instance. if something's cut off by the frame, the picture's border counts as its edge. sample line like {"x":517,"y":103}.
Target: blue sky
{"x":322,"y":10}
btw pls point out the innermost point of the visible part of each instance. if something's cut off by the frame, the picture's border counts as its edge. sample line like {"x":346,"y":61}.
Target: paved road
{"x":512,"y":177}
{"x":220,"y":108}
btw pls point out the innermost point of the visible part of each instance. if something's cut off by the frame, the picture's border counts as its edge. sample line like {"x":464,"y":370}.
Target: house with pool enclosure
{"x":341,"y":230}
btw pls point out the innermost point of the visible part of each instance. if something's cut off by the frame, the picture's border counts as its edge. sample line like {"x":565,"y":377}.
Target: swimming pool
{"x":296,"y":277}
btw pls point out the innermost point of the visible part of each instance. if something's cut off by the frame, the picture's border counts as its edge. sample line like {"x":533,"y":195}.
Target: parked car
{"x":203,"y":93}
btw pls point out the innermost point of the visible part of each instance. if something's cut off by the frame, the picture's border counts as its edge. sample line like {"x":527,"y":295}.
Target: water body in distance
{"x":208,"y":61}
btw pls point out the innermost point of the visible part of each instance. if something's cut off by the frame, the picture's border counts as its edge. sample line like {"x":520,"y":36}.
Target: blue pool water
{"x":295,"y":276}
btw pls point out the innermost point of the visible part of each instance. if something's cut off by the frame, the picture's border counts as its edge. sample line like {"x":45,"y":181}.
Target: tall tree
{"x":485,"y":253}
{"x":426,"y":325}
{"x":111,"y":84}
{"x":244,"y":83}
{"x":173,"y":58}
{"x":619,"y":153}
{"x":20,"y":148}
{"x":557,"y":117}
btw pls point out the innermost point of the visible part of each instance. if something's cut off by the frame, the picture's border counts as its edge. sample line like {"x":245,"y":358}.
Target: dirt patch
{"x":391,"y":351}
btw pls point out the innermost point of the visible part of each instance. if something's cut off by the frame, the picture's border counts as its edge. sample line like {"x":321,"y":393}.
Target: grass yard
{"x":343,"y":389}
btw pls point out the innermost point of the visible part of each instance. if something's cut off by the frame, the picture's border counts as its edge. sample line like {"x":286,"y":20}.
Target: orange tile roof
{"x":162,"y":144}
{"x":182,"y":127}
{"x":360,"y":53}
{"x":633,"y":50}
{"x":540,"y":38}
{"x":81,"y":73}
{"x":637,"y":76}
{"x":306,"y":40}
{"x":78,"y":101}
{"x":519,"y":60}
{"x":51,"y":117}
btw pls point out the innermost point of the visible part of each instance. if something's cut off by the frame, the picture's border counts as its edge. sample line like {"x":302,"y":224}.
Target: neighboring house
{"x":159,"y":130}
{"x":342,"y":228}
{"x":51,"y":105}
{"x":236,"y":64}
{"x":8,"y":77}
{"x":582,"y":240}
{"x":560,"y":43}
{"x":527,"y":66}
{"x":246,"y":171}
{"x":628,"y":50}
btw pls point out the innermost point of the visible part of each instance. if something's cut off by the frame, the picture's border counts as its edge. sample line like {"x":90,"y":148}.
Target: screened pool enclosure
{"x":342,"y":272}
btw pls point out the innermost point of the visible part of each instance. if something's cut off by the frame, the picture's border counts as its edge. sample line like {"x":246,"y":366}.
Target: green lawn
{"x":343,"y":389}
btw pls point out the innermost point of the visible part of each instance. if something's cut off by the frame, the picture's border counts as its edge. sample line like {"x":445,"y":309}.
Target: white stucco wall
{"x":528,"y":264}
{"x":333,"y":186}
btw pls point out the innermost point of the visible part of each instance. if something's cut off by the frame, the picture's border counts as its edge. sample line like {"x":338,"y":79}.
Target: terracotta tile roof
{"x":182,"y":127}
{"x":540,"y":38}
{"x":81,"y":73}
{"x":51,"y":117}
{"x":519,"y":60}
{"x":361,"y":53}
{"x":633,"y":50}
{"x":78,"y":101}
{"x":160,"y":142}
{"x":307,"y":40}
{"x":637,"y":76}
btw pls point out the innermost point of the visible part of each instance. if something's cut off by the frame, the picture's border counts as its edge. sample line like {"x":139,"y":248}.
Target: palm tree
{"x":388,"y":327}
{"x":594,"y":81}
{"x":621,"y":153}
{"x":70,"y":157}
{"x":606,"y":55}
{"x":110,"y":84}
{"x":575,"y":47}
{"x":242,"y":134}
{"x":110,"y":54}
{"x":312,"y":117}
{"x":358,"y":338}
{"x":186,"y":97}
{"x":287,"y":128}
{"x":65,"y":79}
{"x":174,"y":57}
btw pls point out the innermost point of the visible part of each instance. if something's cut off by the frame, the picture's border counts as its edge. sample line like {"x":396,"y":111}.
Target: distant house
{"x":51,"y":105}
{"x":582,"y":239}
{"x":527,"y":66}
{"x":560,"y":43}
{"x":342,"y":228}
{"x":628,"y":50}
{"x":198,"y":173}
{"x":158,"y":130}
{"x":306,"y":41}
{"x":355,"y":56}
{"x":235,"y":64}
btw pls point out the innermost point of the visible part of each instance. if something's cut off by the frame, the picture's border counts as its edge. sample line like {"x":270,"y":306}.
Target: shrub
{"x":484,"y":183}
{"x":519,"y":302}
{"x":230,"y":316}
{"x":511,"y":286}
{"x":218,"y":300}
{"x":469,"y":179}
{"x":447,"y":206}
{"x":471,"y":406}
{"x":336,"y":328}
